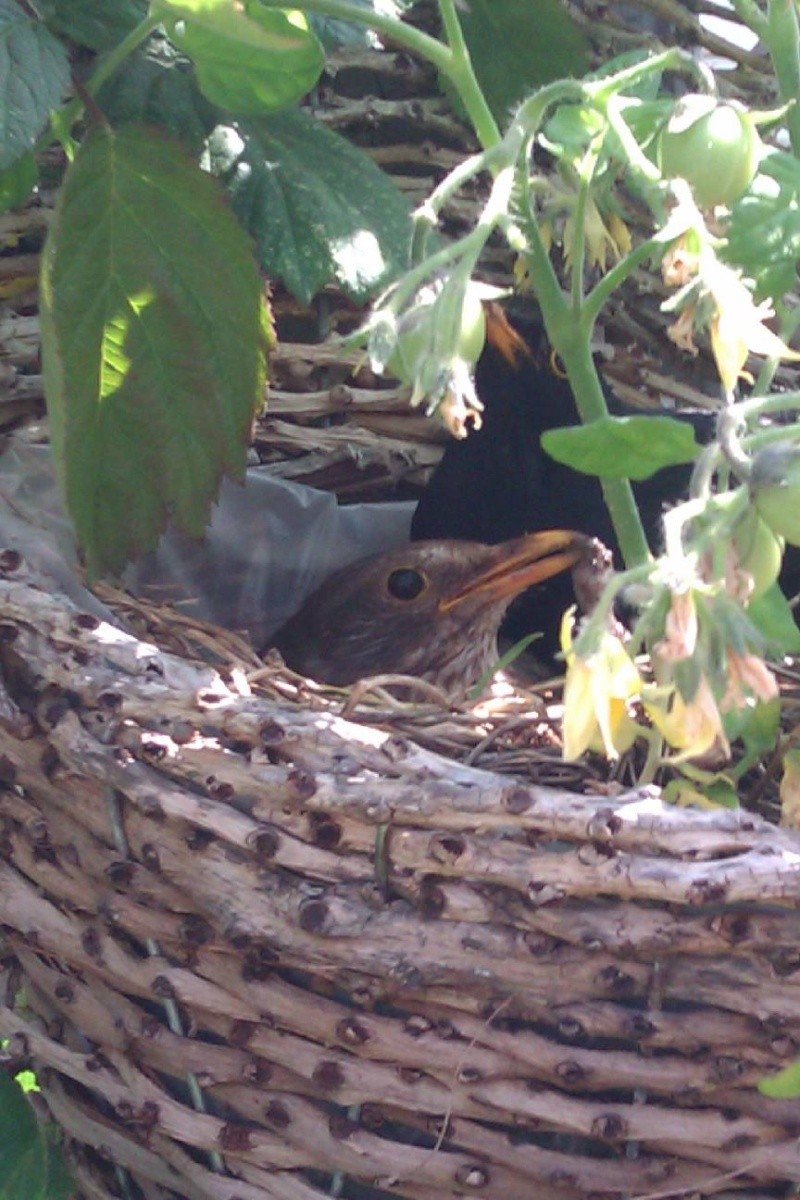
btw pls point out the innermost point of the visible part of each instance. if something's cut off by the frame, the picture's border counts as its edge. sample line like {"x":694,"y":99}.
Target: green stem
{"x":462,"y":75}
{"x":782,"y":37}
{"x":788,"y":321}
{"x":638,"y":162}
{"x":614,"y":278}
{"x":599,"y":90}
{"x":109,"y":63}
{"x":752,"y":16}
{"x":415,"y":40}
{"x":427,"y":215}
{"x":758,"y":405}
{"x":579,"y":235}
{"x":570,"y":341}
{"x":71,"y":111}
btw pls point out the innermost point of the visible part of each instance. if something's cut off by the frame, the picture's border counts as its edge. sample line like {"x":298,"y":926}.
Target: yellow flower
{"x":692,"y":727}
{"x":596,"y":694}
{"x":603,"y":241}
{"x":737,"y":326}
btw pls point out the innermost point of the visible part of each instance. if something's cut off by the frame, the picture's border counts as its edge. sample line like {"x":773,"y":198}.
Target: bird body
{"x":431,"y":609}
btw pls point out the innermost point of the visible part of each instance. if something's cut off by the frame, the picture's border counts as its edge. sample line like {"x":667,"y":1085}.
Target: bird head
{"x":430,"y":609}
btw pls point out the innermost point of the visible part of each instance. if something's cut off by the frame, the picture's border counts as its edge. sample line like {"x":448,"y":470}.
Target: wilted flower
{"x":747,"y":677}
{"x":680,"y":629}
{"x":692,"y":727}
{"x":596,"y":694}
{"x":679,"y":264}
{"x":681,"y":331}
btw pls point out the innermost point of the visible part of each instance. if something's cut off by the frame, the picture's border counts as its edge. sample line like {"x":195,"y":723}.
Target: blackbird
{"x":499,"y":483}
{"x":431,"y":610}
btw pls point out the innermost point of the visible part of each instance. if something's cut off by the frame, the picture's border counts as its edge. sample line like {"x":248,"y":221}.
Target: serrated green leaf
{"x":316,"y":206}
{"x":763,"y":237}
{"x":155,"y":85}
{"x":99,"y":24}
{"x":783,"y":1086}
{"x":773,"y":618}
{"x":248,"y":59}
{"x":34,"y":76}
{"x":153,"y":332}
{"x":17,"y":182}
{"x":30,"y":1163}
{"x":517,"y":46}
{"x":623,"y":447}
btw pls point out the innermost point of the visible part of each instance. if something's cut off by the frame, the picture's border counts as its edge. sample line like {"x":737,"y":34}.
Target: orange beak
{"x":527,"y":560}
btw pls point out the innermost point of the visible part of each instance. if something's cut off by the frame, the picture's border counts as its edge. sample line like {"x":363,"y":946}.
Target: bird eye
{"x":406,"y":584}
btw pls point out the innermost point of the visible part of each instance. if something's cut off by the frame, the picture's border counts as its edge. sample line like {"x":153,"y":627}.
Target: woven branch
{"x":366,"y":962}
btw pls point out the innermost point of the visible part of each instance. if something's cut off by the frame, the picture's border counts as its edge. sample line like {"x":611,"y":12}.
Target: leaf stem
{"x":415,"y":40}
{"x":63,"y":118}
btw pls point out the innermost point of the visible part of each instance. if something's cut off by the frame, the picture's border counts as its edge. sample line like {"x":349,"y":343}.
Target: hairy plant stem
{"x":570,"y":338}
{"x":782,"y":37}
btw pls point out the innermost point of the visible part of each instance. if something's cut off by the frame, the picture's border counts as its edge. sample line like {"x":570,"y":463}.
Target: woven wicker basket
{"x":254,"y":950}
{"x":265,"y":952}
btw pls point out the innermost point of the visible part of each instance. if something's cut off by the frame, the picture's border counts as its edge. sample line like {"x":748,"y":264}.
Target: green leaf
{"x":156,"y":86}
{"x":764,"y":230}
{"x":783,"y":1086}
{"x":35,"y":75}
{"x":317,"y":207}
{"x":154,"y":336}
{"x":99,"y":24}
{"x":757,"y":726}
{"x":517,"y":46}
{"x":17,"y":182}
{"x":248,"y":59}
{"x":623,"y":447}
{"x":31,"y":1167}
{"x":773,"y":618}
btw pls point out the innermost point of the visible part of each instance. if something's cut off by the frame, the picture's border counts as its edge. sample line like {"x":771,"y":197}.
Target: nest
{"x":267,"y":952}
{"x":265,"y":941}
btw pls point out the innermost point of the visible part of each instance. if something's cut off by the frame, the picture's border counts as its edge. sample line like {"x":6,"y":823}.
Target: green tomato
{"x":413,"y":338}
{"x":714,"y":147}
{"x":776,"y":490}
{"x":759,"y":552}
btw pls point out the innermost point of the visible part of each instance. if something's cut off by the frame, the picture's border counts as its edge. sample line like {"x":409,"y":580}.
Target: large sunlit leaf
{"x":99,"y":24}
{"x":248,"y":58}
{"x":34,"y":76}
{"x":31,"y":1167}
{"x":156,"y":86}
{"x":153,"y":342}
{"x":516,"y":46}
{"x":317,"y":207}
{"x":623,"y":447}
